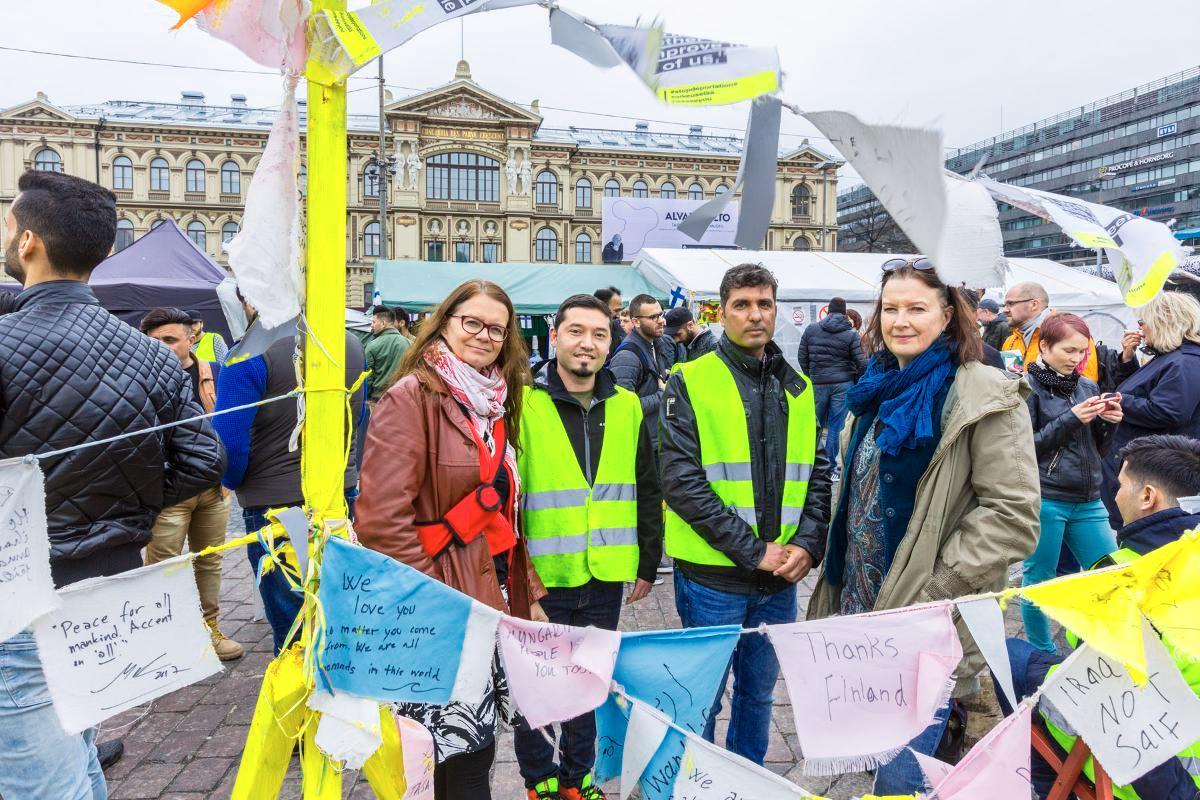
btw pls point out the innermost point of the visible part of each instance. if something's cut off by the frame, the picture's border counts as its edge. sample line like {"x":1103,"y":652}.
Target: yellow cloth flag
{"x":1102,"y":608}
{"x":187,"y":9}
{"x":1171,"y":592}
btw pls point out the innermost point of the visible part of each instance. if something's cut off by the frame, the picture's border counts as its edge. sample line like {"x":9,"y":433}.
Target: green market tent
{"x":535,"y":289}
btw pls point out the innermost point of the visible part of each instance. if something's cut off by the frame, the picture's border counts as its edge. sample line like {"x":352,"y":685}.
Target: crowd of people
{"x":916,"y":455}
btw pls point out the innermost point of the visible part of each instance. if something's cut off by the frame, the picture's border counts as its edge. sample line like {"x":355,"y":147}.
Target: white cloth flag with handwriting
{"x":709,"y":772}
{"x":1130,"y":729}
{"x":122,"y":641}
{"x":26,"y":588}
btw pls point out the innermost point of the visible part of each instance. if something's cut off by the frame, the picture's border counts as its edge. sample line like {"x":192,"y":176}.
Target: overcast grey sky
{"x":968,"y":67}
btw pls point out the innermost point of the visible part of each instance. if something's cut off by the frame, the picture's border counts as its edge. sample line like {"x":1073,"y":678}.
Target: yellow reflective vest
{"x":725,"y":456}
{"x":575,"y":532}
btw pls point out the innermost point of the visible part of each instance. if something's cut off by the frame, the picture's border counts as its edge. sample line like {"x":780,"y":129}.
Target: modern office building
{"x":1138,"y":150}
{"x":474,"y":177}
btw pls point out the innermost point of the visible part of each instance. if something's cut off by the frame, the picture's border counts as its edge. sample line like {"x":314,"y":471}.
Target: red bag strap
{"x":490,"y":464}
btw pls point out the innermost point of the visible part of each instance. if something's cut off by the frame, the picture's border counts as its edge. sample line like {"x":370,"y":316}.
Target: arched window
{"x":462,"y":176}
{"x":228,"y":231}
{"x":612,"y":188}
{"x":371,"y":240}
{"x":47,"y":160}
{"x":546,"y":189}
{"x":231,"y":178}
{"x":160,"y":175}
{"x":197,"y":233}
{"x":156,"y":223}
{"x":721,"y":189}
{"x":583,"y":249}
{"x":122,"y":176}
{"x":668,"y":191}
{"x":195,"y":176}
{"x":546,"y":247}
{"x":801,"y":202}
{"x":583,"y":193}
{"x":371,"y":181}
{"x":640,"y":189}
{"x":124,"y":235}
{"x":801,"y":243}
{"x":695,"y":192}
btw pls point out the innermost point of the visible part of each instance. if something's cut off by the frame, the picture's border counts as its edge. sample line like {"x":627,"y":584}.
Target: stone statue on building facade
{"x":510,"y":173}
{"x":526,"y":176}
{"x":413,"y":164}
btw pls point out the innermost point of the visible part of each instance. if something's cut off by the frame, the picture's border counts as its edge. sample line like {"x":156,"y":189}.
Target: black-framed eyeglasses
{"x":893,"y":264}
{"x":497,"y":333}
{"x":652,"y":317}
{"x":1011,"y":303}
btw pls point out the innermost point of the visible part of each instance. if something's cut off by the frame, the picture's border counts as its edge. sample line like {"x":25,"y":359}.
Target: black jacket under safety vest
{"x":585,"y":430}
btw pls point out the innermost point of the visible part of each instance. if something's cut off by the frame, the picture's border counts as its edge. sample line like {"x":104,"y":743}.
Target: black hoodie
{"x":831,"y":352}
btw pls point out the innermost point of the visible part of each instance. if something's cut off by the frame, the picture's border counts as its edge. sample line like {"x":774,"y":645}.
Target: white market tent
{"x":808,"y":279}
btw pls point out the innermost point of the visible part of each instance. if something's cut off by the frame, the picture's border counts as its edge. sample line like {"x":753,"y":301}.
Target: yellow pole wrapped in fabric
{"x":278,"y":717}
{"x":320,"y":780}
{"x":324,"y":433}
{"x":384,"y":770}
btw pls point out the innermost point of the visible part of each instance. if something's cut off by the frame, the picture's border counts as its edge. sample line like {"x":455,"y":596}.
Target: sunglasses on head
{"x":922,"y":263}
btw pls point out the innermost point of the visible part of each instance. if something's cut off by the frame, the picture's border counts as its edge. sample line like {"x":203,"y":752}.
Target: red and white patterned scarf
{"x":482,"y":394}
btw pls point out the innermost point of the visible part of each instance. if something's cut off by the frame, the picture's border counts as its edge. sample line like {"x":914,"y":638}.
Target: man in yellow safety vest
{"x":591,"y":515}
{"x":747,"y":493}
{"x":1156,"y":472}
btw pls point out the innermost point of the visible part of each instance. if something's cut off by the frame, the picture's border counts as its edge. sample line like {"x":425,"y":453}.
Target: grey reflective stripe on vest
{"x":728,"y":471}
{"x":556,"y":498}
{"x":797,"y":472}
{"x":748,"y":515}
{"x":791,"y":515}
{"x":1054,"y":718}
{"x":557,"y":545}
{"x":1192,"y":765}
{"x":603,"y":537}
{"x":614,"y":492}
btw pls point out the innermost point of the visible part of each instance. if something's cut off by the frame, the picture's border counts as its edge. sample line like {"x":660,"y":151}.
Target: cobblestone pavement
{"x":188,"y":745}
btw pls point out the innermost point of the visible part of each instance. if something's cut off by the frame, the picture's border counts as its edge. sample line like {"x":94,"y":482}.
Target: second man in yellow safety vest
{"x":747,"y":493}
{"x":591,"y":515}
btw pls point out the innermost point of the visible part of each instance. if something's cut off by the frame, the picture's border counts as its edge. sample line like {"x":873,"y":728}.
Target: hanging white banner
{"x":26,"y":588}
{"x":1142,"y":252}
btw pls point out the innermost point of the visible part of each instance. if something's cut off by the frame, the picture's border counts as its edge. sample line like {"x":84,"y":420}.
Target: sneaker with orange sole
{"x":586,"y":790}
{"x":544,"y":790}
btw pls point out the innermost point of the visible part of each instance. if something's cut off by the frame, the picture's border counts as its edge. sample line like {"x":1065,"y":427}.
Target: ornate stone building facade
{"x":473,"y":176}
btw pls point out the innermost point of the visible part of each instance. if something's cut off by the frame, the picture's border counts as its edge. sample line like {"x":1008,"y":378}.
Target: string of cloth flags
{"x":861,"y":686}
{"x":950,"y":218}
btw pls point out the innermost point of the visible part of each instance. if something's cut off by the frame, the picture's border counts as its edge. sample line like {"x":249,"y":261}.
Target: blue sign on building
{"x":1167,"y":130}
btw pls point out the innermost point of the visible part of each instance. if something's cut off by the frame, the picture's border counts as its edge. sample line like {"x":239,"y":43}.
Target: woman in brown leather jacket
{"x":439,"y":449}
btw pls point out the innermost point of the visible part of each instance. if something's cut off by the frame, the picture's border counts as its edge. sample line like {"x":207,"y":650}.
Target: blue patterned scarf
{"x":904,"y":398}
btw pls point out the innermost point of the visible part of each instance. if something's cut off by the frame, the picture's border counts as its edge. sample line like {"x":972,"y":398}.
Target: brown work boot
{"x":227,"y":649}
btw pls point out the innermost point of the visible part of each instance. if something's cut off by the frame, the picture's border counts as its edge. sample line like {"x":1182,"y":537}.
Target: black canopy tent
{"x":163,"y":268}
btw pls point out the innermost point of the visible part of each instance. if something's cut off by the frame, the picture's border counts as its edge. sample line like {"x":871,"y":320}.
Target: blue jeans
{"x":903,"y":775}
{"x":755,"y":668}
{"x":830,"y":401}
{"x":1083,"y":527}
{"x":37,"y":758}
{"x":595,"y":603}
{"x":1030,"y":666}
{"x":281,"y":602}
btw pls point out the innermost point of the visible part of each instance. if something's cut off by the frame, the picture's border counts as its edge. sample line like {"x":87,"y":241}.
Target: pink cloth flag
{"x":269,"y":31}
{"x":863,"y":687}
{"x":417,"y":743}
{"x":556,"y":672}
{"x":997,"y":768}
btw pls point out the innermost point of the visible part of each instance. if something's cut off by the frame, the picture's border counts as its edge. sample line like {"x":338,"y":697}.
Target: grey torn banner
{"x":755,"y":179}
{"x":572,"y":32}
{"x":258,"y":339}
